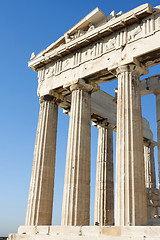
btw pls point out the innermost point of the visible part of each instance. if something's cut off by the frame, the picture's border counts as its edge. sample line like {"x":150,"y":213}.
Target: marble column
{"x":158,"y":133}
{"x":104,"y":194}
{"x":40,"y":201}
{"x":130,"y":192}
{"x":76,"y":196}
{"x":150,"y":177}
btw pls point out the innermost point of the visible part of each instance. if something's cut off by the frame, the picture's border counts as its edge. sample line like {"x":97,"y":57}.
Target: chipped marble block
{"x":84,"y":232}
{"x":153,"y":202}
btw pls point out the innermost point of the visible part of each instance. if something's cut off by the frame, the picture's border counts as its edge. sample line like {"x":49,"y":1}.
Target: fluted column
{"x":40,"y":201}
{"x":150,"y":178}
{"x":104,"y":194}
{"x":76,"y":196}
{"x":130,"y":193}
{"x":158,"y":132}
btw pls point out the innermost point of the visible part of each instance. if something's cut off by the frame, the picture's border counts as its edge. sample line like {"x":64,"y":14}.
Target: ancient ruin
{"x":99,"y":48}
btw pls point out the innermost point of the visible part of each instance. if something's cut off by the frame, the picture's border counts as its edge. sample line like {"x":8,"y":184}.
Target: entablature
{"x":62,"y":47}
{"x":96,"y":61}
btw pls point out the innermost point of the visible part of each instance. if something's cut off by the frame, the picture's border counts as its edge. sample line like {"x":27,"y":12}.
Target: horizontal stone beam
{"x":103,"y":106}
{"x":150,"y":85}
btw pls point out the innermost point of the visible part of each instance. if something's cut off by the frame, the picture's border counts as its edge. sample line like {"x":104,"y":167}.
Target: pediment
{"x":96,"y":18}
{"x":88,"y":23}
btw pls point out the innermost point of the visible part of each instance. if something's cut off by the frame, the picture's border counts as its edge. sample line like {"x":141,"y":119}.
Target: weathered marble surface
{"x":149,"y":164}
{"x":94,"y":55}
{"x":104,"y":193}
{"x":158,"y":130}
{"x":40,"y":200}
{"x":130,"y":192}
{"x":153,"y":199}
{"x":76,"y":195}
{"x":86,"y":232}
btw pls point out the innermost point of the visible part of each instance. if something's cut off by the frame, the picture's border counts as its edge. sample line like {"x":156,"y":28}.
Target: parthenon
{"x":98,"y":49}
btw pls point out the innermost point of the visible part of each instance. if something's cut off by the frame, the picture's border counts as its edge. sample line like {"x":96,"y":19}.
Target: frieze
{"x":157,"y":22}
{"x":41,"y":78}
{"x":50,"y":71}
{"x":98,"y":49}
{"x":149,"y":25}
{"x":77,"y":58}
{"x":135,"y":33}
{"x":87,"y":53}
{"x":41,"y":74}
{"x":110,"y":44}
{"x":65,"y":64}
{"x":58,"y":67}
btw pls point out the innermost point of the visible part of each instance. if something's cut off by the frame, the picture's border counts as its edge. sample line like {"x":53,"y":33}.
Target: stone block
{"x":27,"y":230}
{"x":90,"y":231}
{"x":43,"y":229}
{"x":111,"y":231}
{"x":65,"y":230}
{"x":145,"y":231}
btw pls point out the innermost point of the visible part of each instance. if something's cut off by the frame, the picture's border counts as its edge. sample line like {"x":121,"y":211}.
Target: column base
{"x":86,"y":233}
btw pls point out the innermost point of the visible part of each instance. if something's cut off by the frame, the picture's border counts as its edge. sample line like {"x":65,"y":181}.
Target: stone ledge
{"x":51,"y":237}
{"x":86,"y":232}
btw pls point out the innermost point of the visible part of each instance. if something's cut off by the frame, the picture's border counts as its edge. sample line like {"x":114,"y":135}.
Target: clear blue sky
{"x":27,"y":26}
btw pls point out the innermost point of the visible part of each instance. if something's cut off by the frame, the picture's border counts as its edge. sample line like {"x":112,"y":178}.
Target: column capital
{"x":157,"y":93}
{"x":134,"y":66}
{"x":57,"y":98}
{"x":48,"y":98}
{"x":60,"y":99}
{"x":149,"y":142}
{"x":101,"y":124}
{"x":81,"y":84}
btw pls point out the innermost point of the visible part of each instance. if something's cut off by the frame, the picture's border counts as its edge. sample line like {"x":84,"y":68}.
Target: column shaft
{"x":40,"y":201}
{"x":158,"y":133}
{"x":153,"y":173}
{"x":76,"y":196}
{"x":130,"y":194}
{"x":104,"y":197}
{"x":150,"y":178}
